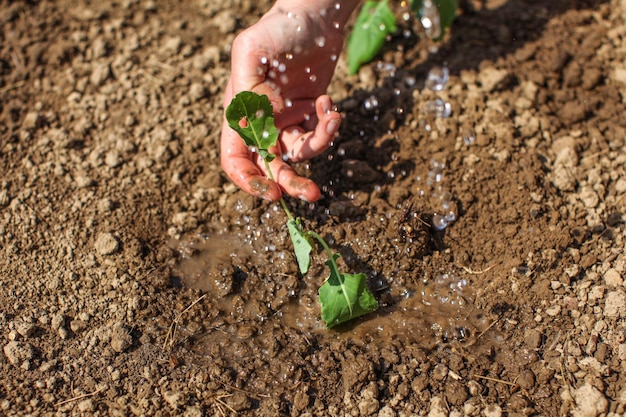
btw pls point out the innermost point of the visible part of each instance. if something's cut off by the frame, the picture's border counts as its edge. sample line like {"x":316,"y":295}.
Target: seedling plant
{"x":342,"y":296}
{"x":376,"y":21}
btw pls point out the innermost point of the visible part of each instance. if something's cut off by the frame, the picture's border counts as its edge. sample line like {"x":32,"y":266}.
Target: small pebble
{"x":121,"y":339}
{"x":493,"y":410}
{"x":613,"y":278}
{"x":590,"y":402}
{"x":18,"y":352}
{"x":106,"y":244}
{"x":615,"y":305}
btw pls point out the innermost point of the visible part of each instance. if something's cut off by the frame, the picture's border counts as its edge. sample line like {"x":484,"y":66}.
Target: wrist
{"x":336,"y":12}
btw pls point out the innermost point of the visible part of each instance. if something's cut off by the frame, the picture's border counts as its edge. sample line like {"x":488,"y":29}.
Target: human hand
{"x":290,"y":56}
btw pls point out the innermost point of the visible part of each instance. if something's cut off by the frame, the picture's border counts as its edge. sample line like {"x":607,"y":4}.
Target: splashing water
{"x":320,"y":41}
{"x":437,"y":78}
{"x":370,"y":103}
{"x":438,"y":108}
{"x":469,"y":136}
{"x":430,"y":19}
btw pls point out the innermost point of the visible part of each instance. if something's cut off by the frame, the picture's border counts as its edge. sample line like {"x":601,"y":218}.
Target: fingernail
{"x":332,"y":126}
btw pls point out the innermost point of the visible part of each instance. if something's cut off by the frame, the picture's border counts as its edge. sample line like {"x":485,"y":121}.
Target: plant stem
{"x":282,"y":200}
{"x":323,"y":243}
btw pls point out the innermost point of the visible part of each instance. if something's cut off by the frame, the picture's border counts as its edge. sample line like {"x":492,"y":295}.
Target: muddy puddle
{"x":248,"y":308}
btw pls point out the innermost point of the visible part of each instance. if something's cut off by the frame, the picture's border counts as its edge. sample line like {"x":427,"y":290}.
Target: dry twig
{"x":172,"y":328}
{"x":80,"y":397}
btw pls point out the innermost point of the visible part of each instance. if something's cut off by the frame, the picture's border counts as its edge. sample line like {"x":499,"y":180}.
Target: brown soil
{"x":136,"y":280}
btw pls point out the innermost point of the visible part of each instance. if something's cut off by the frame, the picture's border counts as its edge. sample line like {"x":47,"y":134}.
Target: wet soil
{"x":136,"y":280}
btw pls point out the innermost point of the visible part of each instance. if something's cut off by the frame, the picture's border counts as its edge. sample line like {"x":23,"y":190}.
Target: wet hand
{"x":290,"y":56}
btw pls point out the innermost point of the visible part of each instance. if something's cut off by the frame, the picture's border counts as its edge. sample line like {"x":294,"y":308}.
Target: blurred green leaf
{"x":373,"y":24}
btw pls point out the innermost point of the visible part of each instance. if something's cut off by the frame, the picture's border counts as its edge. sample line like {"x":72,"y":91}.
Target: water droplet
{"x":336,"y":24}
{"x":333,"y":57}
{"x":382,"y":27}
{"x":320,"y":41}
{"x":337,"y":6}
{"x":370,"y":103}
{"x":259,"y":114}
{"x":439,"y":221}
{"x":253,"y":149}
{"x":469,"y":137}
{"x":312,"y":77}
{"x":265,"y":134}
{"x":307,"y":70}
{"x":282,"y":67}
{"x":438,"y":108}
{"x":299,"y":28}
{"x":406,"y":16}
{"x":349,"y":173}
{"x":450,"y":216}
{"x":437,"y":165}
{"x":284,"y":79}
{"x":288,"y":102}
{"x":264,"y":60}
{"x":430,"y":19}
{"x":341,"y":152}
{"x":437,"y":78}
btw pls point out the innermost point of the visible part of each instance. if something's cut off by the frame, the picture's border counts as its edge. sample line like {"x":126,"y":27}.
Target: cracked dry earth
{"x":136,"y":280}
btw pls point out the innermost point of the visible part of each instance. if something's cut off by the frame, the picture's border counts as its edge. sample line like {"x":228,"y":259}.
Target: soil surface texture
{"x":137,"y":280}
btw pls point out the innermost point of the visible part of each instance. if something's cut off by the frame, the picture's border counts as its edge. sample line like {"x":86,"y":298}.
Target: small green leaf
{"x":259,"y":130}
{"x":301,"y":245}
{"x":447,"y":11}
{"x":344,"y":296}
{"x":374,"y":22}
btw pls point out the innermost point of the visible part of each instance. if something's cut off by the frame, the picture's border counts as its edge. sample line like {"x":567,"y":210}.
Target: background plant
{"x":376,"y":21}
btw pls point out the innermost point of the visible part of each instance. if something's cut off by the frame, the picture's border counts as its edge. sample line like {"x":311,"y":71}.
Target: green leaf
{"x":374,"y":22}
{"x":259,"y":130}
{"x":302,"y":246}
{"x":344,"y":296}
{"x":447,"y":11}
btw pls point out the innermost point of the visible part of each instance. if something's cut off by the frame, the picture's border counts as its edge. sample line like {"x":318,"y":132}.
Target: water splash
{"x":438,"y":108}
{"x":430,"y":19}
{"x":437,"y":78}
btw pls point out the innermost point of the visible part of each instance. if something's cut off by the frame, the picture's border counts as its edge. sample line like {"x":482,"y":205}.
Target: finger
{"x":302,"y":144}
{"x":242,"y":171}
{"x":293,"y":184}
